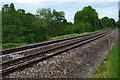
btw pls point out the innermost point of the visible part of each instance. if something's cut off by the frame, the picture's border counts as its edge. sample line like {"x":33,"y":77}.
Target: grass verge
{"x":10,"y":45}
{"x":109,"y":68}
{"x":68,"y":35}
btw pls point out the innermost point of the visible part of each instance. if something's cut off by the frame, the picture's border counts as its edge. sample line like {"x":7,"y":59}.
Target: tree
{"x":9,"y":15}
{"x":12,"y":8}
{"x":59,"y":16}
{"x":50,"y":15}
{"x":112,"y":22}
{"x":45,"y":13}
{"x":21,"y":11}
{"x":107,"y":22}
{"x":87,"y":15}
{"x":119,"y":15}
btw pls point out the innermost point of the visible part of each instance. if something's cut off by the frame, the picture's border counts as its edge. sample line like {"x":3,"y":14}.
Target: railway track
{"x":47,"y":51}
{"x":11,"y":50}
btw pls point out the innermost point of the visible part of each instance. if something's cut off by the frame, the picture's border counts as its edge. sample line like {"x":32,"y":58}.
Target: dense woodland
{"x":21,"y":27}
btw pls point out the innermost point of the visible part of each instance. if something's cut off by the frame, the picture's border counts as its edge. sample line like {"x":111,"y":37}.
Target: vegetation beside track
{"x":10,"y":45}
{"x":68,"y":35}
{"x":109,"y":68}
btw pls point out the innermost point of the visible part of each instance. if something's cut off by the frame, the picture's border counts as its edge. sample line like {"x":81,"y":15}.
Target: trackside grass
{"x":10,"y":45}
{"x":68,"y":35}
{"x":109,"y":68}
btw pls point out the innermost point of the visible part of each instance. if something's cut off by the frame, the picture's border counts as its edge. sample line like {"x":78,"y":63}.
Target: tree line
{"x":19,"y":26}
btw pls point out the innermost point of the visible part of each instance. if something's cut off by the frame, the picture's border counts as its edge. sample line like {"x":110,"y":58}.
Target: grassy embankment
{"x":109,"y":68}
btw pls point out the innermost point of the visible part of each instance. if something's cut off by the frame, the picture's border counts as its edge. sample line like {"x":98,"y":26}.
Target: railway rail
{"x":49,"y":49}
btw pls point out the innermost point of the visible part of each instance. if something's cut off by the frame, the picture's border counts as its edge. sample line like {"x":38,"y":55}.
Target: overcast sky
{"x":107,"y":8}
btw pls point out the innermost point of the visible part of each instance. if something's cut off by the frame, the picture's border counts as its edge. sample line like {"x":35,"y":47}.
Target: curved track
{"x":68,"y":43}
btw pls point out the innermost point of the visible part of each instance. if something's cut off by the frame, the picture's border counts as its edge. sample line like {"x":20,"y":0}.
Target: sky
{"x":104,"y":8}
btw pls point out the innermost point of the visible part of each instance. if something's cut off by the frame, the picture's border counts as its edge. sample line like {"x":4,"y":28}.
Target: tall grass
{"x":10,"y":45}
{"x":109,"y":68}
{"x":68,"y":35}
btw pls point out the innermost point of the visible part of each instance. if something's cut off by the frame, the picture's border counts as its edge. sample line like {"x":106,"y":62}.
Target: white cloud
{"x":111,"y":12}
{"x":38,"y":1}
{"x":22,"y":1}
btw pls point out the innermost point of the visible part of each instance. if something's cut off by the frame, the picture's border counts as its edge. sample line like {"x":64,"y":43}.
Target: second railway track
{"x":40,"y":55}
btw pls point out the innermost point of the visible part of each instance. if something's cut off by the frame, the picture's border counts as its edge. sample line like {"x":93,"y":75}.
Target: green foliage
{"x":119,"y":14}
{"x":87,"y":17}
{"x":106,"y":22}
{"x":82,"y":27}
{"x":118,"y":24}
{"x":50,"y":15}
{"x":11,"y":8}
{"x":21,"y":27}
